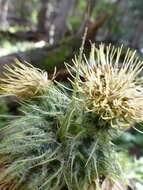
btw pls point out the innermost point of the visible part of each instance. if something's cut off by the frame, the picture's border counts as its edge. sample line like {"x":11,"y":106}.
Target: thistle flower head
{"x":109,"y":83}
{"x":23,"y":81}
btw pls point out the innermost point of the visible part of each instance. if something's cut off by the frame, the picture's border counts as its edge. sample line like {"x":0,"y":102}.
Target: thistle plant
{"x":63,"y":140}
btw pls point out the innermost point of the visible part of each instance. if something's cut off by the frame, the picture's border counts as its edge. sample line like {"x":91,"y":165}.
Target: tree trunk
{"x":42,"y":16}
{"x":23,"y":36}
{"x":61,"y":18}
{"x":137,"y":35}
{"x":3,"y":13}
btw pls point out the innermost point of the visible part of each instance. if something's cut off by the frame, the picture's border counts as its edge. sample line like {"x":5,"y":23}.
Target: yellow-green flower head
{"x":109,"y":83}
{"x":23,"y":81}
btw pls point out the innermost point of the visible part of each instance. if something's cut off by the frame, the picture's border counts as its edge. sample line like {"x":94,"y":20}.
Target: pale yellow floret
{"x":23,"y":81}
{"x":109,"y":83}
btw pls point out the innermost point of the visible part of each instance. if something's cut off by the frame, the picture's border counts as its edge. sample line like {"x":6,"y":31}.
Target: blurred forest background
{"x":48,"y":32}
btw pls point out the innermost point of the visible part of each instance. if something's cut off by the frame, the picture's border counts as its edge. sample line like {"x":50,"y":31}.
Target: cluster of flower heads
{"x":107,"y":81}
{"x":110,"y":85}
{"x":24,"y":81}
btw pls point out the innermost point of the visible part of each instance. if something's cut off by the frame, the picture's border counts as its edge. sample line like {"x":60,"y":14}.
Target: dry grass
{"x":107,"y":184}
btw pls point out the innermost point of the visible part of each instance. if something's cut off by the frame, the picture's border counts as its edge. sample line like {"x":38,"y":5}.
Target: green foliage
{"x":56,"y":58}
{"x":132,"y":170}
{"x":129,"y":140}
{"x":8,"y":47}
{"x":136,"y":172}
